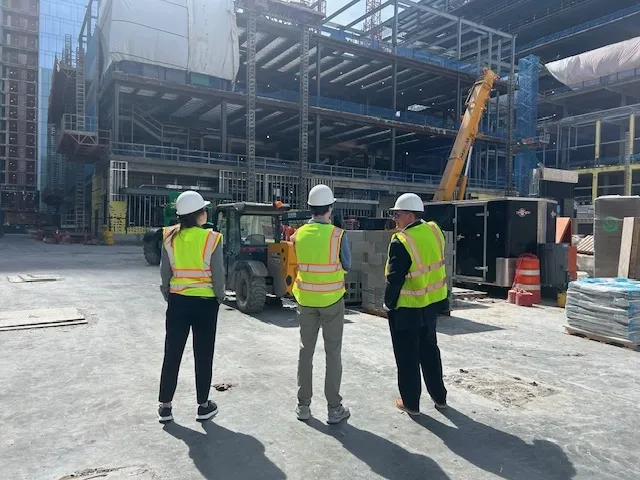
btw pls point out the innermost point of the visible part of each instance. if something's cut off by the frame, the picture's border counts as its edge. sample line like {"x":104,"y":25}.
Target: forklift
{"x":258,"y":262}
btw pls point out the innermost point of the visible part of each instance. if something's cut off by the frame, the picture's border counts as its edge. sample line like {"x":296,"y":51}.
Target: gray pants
{"x":331,"y":319}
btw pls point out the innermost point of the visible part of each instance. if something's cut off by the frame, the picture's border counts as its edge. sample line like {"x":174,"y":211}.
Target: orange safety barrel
{"x":527,"y":278}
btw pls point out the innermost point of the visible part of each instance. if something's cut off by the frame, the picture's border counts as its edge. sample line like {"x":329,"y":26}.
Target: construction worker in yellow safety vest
{"x":192,"y":272}
{"x":415,"y":293}
{"x":324,"y":256}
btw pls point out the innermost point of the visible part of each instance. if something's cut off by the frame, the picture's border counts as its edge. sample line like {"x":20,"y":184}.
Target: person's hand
{"x":385,"y":308}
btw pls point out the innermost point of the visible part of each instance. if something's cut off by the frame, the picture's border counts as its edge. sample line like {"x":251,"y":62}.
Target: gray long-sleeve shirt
{"x":217,"y":272}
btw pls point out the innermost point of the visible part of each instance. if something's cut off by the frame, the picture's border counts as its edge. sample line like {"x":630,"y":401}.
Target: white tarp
{"x":615,"y":58}
{"x":200,"y":36}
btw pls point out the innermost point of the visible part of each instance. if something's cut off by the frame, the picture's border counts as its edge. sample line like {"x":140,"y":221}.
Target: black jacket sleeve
{"x":399,"y":264}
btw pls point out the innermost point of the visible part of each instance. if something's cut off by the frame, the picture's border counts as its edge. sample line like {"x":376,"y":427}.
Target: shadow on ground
{"x":385,"y":458}
{"x":460,"y":326}
{"x":219,"y":453}
{"x":498,"y":452}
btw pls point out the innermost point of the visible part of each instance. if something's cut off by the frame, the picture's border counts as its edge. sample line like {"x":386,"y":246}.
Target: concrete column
{"x":628,"y":173}
{"x":623,"y":130}
{"x":116,"y":113}
{"x":594,"y":187}
{"x":223,"y":114}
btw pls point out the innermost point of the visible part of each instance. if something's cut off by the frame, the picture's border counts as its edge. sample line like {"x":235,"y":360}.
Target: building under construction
{"x":275,"y":98}
{"x":588,"y":117}
{"x":18,"y":107}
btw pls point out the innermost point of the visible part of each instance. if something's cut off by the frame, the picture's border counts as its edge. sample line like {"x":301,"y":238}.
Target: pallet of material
{"x":609,"y":307}
{"x":618,"y":342}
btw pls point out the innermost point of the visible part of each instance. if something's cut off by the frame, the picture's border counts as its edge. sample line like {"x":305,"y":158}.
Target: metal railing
{"x":271,"y":165}
{"x":70,"y":122}
{"x":596,"y":82}
{"x":580,"y":28}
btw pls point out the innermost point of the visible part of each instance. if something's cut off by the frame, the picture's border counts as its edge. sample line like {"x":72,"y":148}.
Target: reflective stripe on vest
{"x":191,"y":271}
{"x":425,"y":283}
{"x":320,"y":278}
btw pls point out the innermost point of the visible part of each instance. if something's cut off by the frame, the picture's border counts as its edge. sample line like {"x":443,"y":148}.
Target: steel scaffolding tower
{"x":304,"y":117}
{"x":526,"y":118}
{"x":373,"y":22}
{"x":252,"y":34}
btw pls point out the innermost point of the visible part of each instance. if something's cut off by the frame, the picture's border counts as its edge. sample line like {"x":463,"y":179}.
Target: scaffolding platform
{"x":82,"y":146}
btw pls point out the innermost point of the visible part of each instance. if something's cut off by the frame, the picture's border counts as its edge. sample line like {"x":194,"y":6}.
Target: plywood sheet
{"x":28,"y":278}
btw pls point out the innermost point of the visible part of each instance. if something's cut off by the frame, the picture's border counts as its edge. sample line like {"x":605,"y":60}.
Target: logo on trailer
{"x":522,"y":212}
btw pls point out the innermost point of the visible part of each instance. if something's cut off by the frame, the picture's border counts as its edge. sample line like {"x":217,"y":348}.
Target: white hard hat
{"x":190,"y":202}
{"x":409,"y":202}
{"x":320,"y":196}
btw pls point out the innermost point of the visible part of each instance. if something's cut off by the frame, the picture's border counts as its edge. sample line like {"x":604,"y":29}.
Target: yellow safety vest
{"x":426,"y":282}
{"x":320,"y":277}
{"x":189,"y":251}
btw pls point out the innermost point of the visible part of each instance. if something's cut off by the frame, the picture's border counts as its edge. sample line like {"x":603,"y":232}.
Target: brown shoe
{"x":401,"y":406}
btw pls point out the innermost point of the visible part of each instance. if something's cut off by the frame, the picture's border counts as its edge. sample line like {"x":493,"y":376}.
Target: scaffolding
{"x":526,"y":119}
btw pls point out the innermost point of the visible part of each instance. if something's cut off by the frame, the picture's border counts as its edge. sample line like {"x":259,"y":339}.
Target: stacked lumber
{"x":605,"y":306}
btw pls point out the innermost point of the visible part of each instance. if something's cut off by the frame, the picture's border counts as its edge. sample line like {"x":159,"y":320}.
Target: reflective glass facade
{"x":58,"y":19}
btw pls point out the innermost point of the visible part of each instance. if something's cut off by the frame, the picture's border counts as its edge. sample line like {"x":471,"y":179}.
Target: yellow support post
{"x":632,"y":132}
{"x":628,"y":178}
{"x":597,"y":152}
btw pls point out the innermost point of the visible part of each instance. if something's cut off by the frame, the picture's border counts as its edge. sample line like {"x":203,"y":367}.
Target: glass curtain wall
{"x":58,"y":18}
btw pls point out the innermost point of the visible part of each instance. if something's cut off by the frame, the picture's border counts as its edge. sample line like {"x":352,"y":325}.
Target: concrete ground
{"x":527,"y":401}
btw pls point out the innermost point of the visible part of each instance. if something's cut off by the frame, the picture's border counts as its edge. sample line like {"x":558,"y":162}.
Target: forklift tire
{"x":251,"y":292}
{"x":152,"y":253}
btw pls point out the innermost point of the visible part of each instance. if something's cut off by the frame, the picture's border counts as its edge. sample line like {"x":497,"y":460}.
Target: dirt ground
{"x":527,"y":401}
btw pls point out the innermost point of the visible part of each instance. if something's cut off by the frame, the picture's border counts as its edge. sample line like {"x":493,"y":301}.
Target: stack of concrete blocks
{"x":369,"y":251}
{"x":353,"y":278}
{"x":610,"y":212}
{"x":375,"y":246}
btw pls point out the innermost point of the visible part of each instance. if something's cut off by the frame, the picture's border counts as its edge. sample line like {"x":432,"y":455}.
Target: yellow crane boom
{"x":475,"y":105}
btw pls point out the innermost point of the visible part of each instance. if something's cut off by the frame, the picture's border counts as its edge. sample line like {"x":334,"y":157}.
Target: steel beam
{"x":223,"y":121}
{"x":340,"y":10}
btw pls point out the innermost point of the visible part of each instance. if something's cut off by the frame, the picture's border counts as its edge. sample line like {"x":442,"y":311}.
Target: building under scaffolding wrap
{"x":288,"y":99}
{"x":526,"y":122}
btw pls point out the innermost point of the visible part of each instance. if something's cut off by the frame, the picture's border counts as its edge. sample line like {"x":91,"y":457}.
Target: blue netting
{"x":526,"y":117}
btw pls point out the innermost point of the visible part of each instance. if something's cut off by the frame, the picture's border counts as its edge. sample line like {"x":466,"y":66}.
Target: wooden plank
{"x":39,"y":316}
{"x":629,"y":248}
{"x":619,"y":342}
{"x":43,"y":325}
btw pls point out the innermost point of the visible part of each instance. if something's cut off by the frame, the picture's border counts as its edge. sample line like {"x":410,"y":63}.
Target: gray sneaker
{"x":303,"y":412}
{"x":337,"y":414}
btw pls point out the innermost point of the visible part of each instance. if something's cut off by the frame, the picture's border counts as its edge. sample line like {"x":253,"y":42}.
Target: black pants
{"x":413,"y":333}
{"x":201,"y":316}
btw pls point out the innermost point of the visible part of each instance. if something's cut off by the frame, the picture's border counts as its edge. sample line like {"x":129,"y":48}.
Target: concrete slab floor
{"x":84,"y":397}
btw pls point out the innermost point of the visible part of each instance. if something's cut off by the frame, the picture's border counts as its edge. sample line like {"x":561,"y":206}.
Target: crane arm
{"x":476,"y":104}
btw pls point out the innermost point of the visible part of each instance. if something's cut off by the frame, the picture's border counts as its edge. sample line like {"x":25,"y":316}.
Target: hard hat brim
{"x":394,"y":209}
{"x":204,"y":205}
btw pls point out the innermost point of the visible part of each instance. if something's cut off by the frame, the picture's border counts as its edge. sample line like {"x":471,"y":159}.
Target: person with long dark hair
{"x":192,"y":271}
